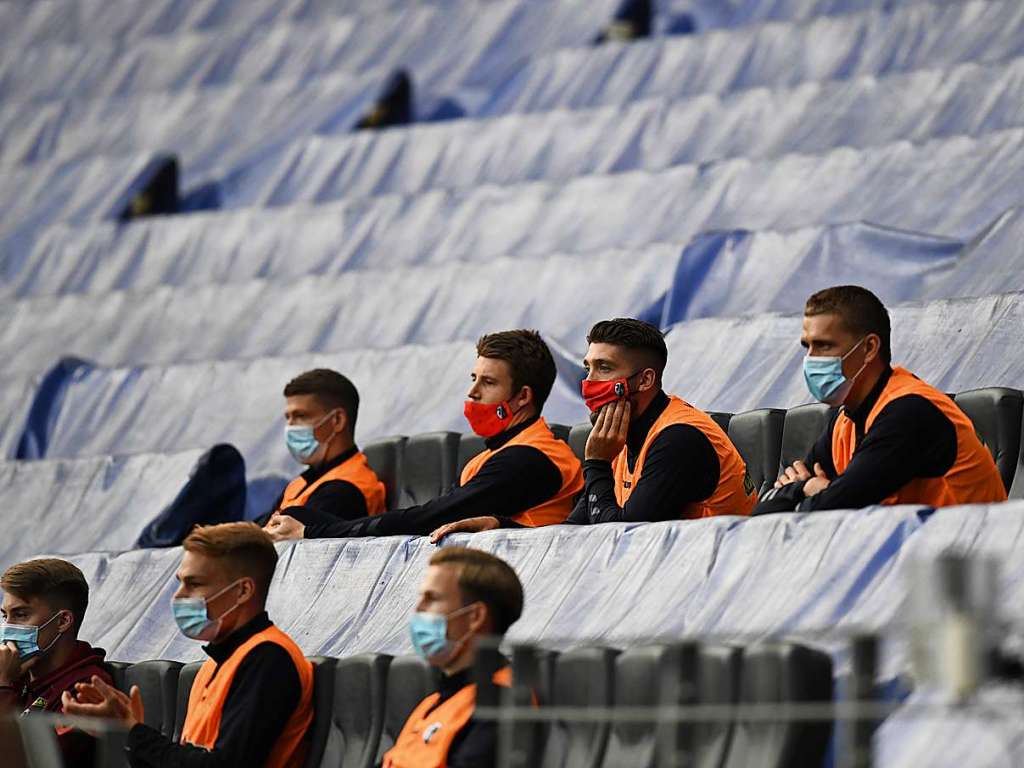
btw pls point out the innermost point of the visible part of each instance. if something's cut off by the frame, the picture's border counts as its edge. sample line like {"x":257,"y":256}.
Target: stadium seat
{"x":578,"y":438}
{"x":996,"y":415}
{"x":39,"y":743}
{"x":358,"y":713}
{"x":429,"y":466}
{"x":640,"y":677}
{"x":469,"y":446}
{"x":584,"y":677}
{"x":186,"y":676}
{"x":410,"y":680}
{"x":718,"y":682}
{"x":801,"y":427}
{"x":117,"y":671}
{"x":781,"y":673}
{"x":385,"y":458}
{"x":721,"y":418}
{"x":757,"y":435}
{"x":158,"y":684}
{"x":561,"y":431}
{"x":323,"y":708}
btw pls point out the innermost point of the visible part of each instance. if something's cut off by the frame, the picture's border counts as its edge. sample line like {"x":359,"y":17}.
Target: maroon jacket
{"x":44,"y":695}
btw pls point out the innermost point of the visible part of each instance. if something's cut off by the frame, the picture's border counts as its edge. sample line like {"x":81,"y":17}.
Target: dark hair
{"x":860,"y":310}
{"x":247,"y":548}
{"x":527,"y":355}
{"x":486,"y":578}
{"x":330,"y":388}
{"x":634,"y":335}
{"x":57,"y":582}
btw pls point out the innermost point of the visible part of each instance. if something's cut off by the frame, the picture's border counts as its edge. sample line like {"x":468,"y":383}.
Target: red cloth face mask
{"x":488,"y":419}
{"x":597,"y":394}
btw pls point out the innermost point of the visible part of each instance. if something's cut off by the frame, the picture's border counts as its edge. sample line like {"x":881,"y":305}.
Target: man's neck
{"x":336,"y":448}
{"x":53,"y":659}
{"x":865,"y":384}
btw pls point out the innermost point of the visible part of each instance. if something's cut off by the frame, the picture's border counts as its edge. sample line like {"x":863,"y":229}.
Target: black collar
{"x":641,"y":425}
{"x":449,"y":686}
{"x":859,"y":415}
{"x":317,"y":471}
{"x":222,"y":650}
{"x":494,"y":443}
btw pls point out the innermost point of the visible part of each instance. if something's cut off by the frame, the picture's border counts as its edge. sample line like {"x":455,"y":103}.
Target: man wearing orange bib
{"x":892,"y":439}
{"x":251,"y":702}
{"x":466,"y":594}
{"x":651,"y":456}
{"x":320,"y":411}
{"x":525,"y":475}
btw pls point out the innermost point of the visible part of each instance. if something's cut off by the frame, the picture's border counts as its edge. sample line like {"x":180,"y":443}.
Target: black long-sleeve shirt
{"x":264,"y":693}
{"x":910,"y":438}
{"x":334,"y":500}
{"x":509,"y":483}
{"x":681,"y":467}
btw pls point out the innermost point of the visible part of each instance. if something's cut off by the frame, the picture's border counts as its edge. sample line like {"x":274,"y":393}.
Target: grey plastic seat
{"x":639,"y":673}
{"x":561,"y":431}
{"x":410,"y":680}
{"x":801,"y":428}
{"x":996,"y":413}
{"x":757,"y":435}
{"x":721,"y":418}
{"x":429,"y":466}
{"x":357,"y":718}
{"x":777,"y":673}
{"x":584,"y":677}
{"x":186,"y":676}
{"x":469,"y":446}
{"x":385,"y":459}
{"x":323,"y":709}
{"x":718,"y":682}
{"x":578,"y":438}
{"x":158,"y":684}
{"x":117,"y":672}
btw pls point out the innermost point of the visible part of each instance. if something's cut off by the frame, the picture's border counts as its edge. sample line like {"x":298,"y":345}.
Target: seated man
{"x":895,"y":440}
{"x":651,"y":456}
{"x":251,"y":701}
{"x":466,"y":594}
{"x":525,"y":475}
{"x":320,"y":409}
{"x":41,"y":656}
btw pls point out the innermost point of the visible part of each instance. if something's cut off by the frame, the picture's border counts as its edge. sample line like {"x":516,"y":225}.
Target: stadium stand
{"x":706,"y":181}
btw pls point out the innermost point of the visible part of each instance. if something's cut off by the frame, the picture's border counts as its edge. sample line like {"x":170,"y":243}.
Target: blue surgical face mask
{"x":193,"y":617}
{"x":429,"y":633}
{"x":26,"y":638}
{"x":825,"y":379}
{"x":302,"y":443}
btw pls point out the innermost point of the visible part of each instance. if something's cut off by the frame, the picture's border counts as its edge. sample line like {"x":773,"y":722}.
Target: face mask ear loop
{"x":859,"y":372}
{"x":54,"y":641}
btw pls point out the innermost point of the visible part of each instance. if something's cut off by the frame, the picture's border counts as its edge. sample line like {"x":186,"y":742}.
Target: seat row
{"x":361,"y":703}
{"x":418,"y":468}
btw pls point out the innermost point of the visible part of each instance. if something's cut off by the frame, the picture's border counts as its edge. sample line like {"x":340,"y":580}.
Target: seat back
{"x":584,"y":677}
{"x":639,"y":673}
{"x":186,"y":676}
{"x":385,"y":459}
{"x":561,"y":431}
{"x":429,"y":466}
{"x":757,"y":435}
{"x":718,"y":682}
{"x":996,"y":415}
{"x":578,"y":438}
{"x":469,"y":446}
{"x":721,"y":418}
{"x":117,"y":672}
{"x":410,"y":680}
{"x":38,"y":743}
{"x":323,"y":709}
{"x":158,"y":684}
{"x":780,"y":673}
{"x":801,"y":428}
{"x":357,"y":719}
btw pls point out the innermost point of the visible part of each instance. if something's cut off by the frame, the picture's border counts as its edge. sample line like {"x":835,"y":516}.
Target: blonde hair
{"x":486,"y":578}
{"x":247,"y":548}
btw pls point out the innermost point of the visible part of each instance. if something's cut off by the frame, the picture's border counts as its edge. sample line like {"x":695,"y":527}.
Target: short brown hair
{"x":247,"y":548}
{"x":486,"y":578}
{"x":330,"y":388}
{"x":58,"y":582}
{"x":860,"y":310}
{"x":527,"y":355}
{"x":635,"y":335}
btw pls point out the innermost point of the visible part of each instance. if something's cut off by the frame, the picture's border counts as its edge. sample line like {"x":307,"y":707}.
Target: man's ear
{"x":66,"y":622}
{"x":480,"y":621}
{"x":648,"y":380}
{"x":248,"y":589}
{"x":525,"y":397}
{"x":872,"y":347}
{"x":340,"y":421}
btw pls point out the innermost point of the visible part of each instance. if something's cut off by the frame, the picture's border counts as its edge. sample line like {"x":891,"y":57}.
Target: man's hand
{"x":469,"y":525}
{"x":284,"y":528}
{"x":818,"y":483}
{"x":796,"y":473}
{"x":609,"y":433}
{"x":11,"y":665}
{"x":98,"y":699}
